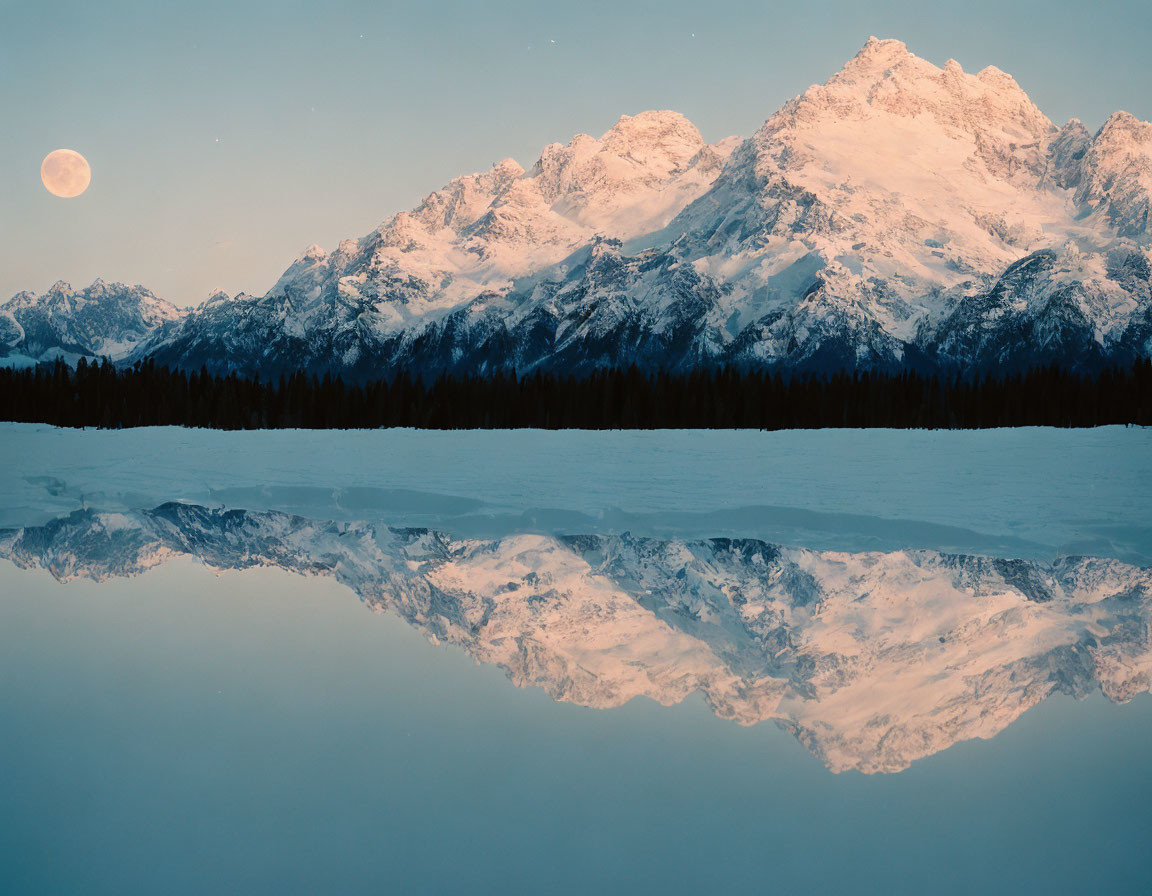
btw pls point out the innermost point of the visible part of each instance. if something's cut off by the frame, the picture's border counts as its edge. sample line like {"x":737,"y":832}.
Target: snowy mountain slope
{"x":894,"y":170}
{"x":105,"y":319}
{"x":1114,"y":180}
{"x":871,"y":659}
{"x":900,"y":214}
{"x":881,"y":219}
{"x":1054,"y":305}
{"x":851,"y":229}
{"x":370,"y":301}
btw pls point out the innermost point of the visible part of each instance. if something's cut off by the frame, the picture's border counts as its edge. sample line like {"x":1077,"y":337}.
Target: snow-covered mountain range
{"x":106,"y":319}
{"x":872,"y":660}
{"x":898,"y":215}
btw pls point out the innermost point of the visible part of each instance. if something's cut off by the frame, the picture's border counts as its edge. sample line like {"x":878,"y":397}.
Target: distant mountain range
{"x":104,"y":320}
{"x":899,"y":215}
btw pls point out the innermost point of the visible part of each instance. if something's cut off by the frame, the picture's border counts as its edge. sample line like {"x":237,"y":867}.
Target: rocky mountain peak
{"x":658,"y":140}
{"x":886,"y":77}
{"x":1124,"y":126}
{"x":1116,"y":177}
{"x":101,"y":319}
{"x":876,"y":56}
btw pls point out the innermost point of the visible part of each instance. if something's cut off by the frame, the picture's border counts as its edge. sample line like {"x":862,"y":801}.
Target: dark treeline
{"x":146,"y":395}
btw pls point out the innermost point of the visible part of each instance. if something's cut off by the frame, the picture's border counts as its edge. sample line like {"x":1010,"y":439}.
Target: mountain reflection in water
{"x":872,"y":660}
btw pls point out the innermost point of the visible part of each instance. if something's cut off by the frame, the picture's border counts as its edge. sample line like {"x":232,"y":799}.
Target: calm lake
{"x":198,"y":700}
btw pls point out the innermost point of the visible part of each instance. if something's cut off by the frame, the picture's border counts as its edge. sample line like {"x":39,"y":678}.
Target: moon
{"x":65,"y":173}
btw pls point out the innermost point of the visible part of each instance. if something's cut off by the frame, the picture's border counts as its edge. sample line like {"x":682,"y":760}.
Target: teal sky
{"x":226,"y":136}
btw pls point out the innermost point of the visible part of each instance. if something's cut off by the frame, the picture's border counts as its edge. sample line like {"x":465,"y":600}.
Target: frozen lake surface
{"x":1016,"y":492}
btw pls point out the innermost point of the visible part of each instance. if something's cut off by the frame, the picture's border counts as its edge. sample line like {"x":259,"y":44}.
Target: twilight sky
{"x":224,"y":137}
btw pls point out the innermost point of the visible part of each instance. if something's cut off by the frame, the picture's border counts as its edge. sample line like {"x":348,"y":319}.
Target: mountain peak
{"x":101,"y":319}
{"x":653,"y":122}
{"x":1117,"y":174}
{"x":508,"y":166}
{"x":890,"y":63}
{"x":651,"y":119}
{"x":882,"y":49}
{"x":659,"y":140}
{"x":876,"y":57}
{"x":995,"y":77}
{"x":885,"y":79}
{"x":1128,"y":125}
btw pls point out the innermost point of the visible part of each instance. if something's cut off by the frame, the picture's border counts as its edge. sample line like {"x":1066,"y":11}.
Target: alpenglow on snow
{"x":898,"y":215}
{"x":872,"y":660}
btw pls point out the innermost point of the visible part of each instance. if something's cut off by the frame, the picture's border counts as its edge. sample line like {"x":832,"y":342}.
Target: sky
{"x":225,"y":137}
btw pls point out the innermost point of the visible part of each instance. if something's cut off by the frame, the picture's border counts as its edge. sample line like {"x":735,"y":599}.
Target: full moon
{"x":65,"y":173}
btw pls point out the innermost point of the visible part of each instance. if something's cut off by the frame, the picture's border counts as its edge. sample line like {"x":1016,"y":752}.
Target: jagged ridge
{"x":898,"y":215}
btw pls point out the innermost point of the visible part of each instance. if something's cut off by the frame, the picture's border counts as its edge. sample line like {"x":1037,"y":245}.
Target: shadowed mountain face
{"x":872,"y":660}
{"x":900,"y":214}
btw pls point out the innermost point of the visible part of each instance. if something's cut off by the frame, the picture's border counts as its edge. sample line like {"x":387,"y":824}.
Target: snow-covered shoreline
{"x":1034,"y":493}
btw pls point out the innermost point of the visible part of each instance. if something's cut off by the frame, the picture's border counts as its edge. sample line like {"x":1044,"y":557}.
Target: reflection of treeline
{"x":146,"y":395}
